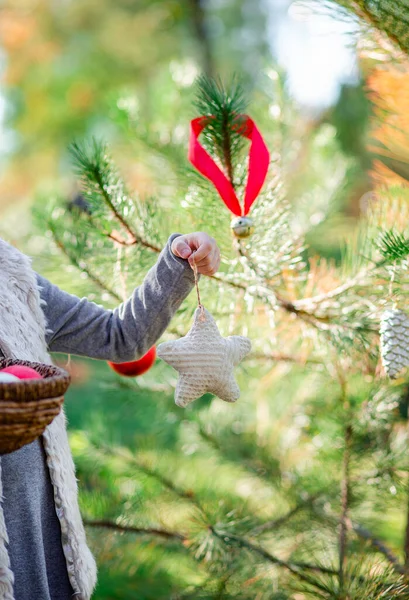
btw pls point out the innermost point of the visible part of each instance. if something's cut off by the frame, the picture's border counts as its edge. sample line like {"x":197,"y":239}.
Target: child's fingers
{"x":180,"y":247}
{"x":201,"y":263}
{"x":203,"y":251}
{"x":207,"y":272}
{"x":211,"y":258}
{"x":210,"y":264}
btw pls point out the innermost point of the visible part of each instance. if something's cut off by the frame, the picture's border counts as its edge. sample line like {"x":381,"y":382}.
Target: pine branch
{"x":367,"y":535}
{"x":122,"y":242}
{"x":137,"y":530}
{"x":278,"y":357}
{"x":293,"y":567}
{"x":285,"y":304}
{"x":269,"y":296}
{"x":380,"y":16}
{"x":272,"y":297}
{"x":224,"y":107}
{"x":321,"y":323}
{"x":80,"y":208}
{"x":98,"y":176}
{"x":276,"y":523}
{"x":393,"y":245}
{"x":296,"y":568}
{"x":378,"y":545}
{"x":381,"y":21}
{"x":73,"y":260}
{"x":190,"y":496}
{"x":304,"y":303}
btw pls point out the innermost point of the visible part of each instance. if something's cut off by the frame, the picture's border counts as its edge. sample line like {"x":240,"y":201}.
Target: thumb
{"x":180,"y":247}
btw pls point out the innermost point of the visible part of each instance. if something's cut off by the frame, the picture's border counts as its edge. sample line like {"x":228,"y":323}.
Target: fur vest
{"x":22,"y":336}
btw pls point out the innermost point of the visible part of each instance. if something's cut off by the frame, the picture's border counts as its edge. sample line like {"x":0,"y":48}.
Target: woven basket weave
{"x":29,"y":405}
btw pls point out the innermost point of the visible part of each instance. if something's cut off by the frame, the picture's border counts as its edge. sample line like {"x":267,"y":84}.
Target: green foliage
{"x":75,"y":72}
{"x":381,"y":584}
{"x":393,"y":245}
{"x":236,"y":502}
{"x":224,"y":107}
{"x":389,"y":17}
{"x":246,"y":501}
{"x":237,"y":491}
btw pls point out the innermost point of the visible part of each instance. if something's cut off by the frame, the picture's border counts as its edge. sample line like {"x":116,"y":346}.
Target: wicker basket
{"x":29,"y":405}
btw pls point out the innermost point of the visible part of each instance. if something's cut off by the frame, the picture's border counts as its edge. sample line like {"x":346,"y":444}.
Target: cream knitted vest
{"x":22,"y":336}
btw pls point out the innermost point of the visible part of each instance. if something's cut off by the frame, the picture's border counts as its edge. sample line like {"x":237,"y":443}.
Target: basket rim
{"x":50,"y":386}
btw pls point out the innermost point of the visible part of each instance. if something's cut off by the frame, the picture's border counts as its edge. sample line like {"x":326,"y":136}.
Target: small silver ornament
{"x":242,"y":226}
{"x":394,"y":341}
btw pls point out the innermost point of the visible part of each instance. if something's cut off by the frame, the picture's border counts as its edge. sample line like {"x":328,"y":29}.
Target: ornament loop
{"x":202,"y":312}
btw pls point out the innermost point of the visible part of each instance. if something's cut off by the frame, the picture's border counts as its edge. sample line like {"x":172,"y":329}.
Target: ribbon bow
{"x":259,"y":159}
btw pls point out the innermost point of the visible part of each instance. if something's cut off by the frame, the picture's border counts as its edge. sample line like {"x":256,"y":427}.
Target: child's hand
{"x":198,"y":248}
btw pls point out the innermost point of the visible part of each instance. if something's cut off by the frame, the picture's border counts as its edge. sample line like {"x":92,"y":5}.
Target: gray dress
{"x":83,"y":328}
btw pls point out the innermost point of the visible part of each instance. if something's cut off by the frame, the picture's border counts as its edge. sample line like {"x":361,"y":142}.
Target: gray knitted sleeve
{"x":78,"y":326}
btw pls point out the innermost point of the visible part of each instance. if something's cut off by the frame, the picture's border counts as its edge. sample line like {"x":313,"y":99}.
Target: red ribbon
{"x":259,"y":159}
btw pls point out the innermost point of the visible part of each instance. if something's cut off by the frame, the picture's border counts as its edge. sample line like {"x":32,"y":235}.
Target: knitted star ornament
{"x":205,"y":360}
{"x":394,"y":341}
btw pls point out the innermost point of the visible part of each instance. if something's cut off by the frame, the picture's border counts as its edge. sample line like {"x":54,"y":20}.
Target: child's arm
{"x":81,"y":327}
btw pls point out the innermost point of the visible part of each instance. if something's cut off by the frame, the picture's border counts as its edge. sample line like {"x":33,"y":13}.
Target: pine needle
{"x":393,"y":245}
{"x":224,"y":106}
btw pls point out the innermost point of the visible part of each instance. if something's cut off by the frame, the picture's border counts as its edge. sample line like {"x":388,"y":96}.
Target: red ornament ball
{"x":22,"y":372}
{"x":135,"y":367}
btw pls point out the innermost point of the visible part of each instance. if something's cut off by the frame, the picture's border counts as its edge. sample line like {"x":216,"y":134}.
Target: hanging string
{"x":202,"y":312}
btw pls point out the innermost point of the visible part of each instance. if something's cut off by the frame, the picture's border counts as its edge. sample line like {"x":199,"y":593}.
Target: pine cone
{"x":394,"y":341}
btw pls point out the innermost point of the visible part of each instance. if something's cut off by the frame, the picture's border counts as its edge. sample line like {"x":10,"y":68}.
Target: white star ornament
{"x":205,"y":360}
